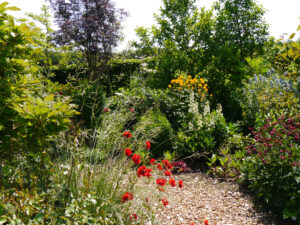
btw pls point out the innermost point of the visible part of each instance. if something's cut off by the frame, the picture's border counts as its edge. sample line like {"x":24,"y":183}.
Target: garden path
{"x":204,"y":198}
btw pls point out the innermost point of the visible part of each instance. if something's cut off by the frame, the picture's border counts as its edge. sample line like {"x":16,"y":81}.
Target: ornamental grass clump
{"x":272,"y":167}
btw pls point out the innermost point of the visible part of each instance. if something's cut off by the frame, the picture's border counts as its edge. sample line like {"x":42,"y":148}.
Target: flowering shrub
{"x":272,"y":168}
{"x":206,"y":133}
{"x":268,"y":97}
{"x":191,"y":84}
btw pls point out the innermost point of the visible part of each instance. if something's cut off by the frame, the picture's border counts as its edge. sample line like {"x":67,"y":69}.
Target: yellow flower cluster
{"x":189,"y":83}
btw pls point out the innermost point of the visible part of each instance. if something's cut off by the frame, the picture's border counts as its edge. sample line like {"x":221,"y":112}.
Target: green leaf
{"x":39,"y":217}
{"x":2,"y":5}
{"x":213,"y":158}
{"x":287,"y":213}
{"x":49,"y":98}
{"x":292,"y":36}
{"x":13,"y":8}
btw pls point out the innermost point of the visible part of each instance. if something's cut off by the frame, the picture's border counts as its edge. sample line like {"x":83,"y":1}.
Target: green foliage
{"x":42,"y":39}
{"x":162,"y":142}
{"x":139,"y":98}
{"x":14,"y":49}
{"x":206,"y":133}
{"x":178,"y":41}
{"x":239,"y":32}
{"x":79,"y":193}
{"x":288,"y":57}
{"x":31,"y":114}
{"x":227,"y":162}
{"x":89,"y":97}
{"x":271,"y":168}
{"x":120,"y":71}
{"x":268,"y":97}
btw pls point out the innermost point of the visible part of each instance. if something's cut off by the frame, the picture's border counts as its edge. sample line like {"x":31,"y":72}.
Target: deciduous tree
{"x":93,"y":26}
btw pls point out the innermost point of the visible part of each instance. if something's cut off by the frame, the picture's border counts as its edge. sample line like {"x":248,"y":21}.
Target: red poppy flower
{"x":132,"y":110}
{"x":128,"y":152}
{"x":133,"y":216}
{"x":136,"y":159}
{"x":148,"y":173}
{"x":206,"y":222}
{"x":127,"y":134}
{"x":148,"y":146}
{"x":161,"y":181}
{"x":164,"y":201}
{"x":141,"y":171}
{"x":192,"y":224}
{"x":159,"y":166}
{"x":168,"y":173}
{"x":167,"y":164}
{"x":127,"y":196}
{"x":172,"y":182}
{"x":105,"y":109}
{"x":180,"y":184}
{"x":152,"y":161}
{"x":147,"y":199}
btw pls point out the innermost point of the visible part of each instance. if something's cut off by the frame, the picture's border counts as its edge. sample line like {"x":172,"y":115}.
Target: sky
{"x":282,"y":16}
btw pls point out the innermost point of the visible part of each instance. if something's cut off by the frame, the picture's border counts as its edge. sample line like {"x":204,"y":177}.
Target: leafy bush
{"x":184,"y":98}
{"x":206,"y":133}
{"x":90,"y":99}
{"x":140,"y":99}
{"x":272,"y":167}
{"x":268,"y":97}
{"x":152,"y":121}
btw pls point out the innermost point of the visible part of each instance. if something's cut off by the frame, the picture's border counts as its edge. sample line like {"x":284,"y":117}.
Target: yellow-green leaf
{"x":2,"y":5}
{"x":13,"y":8}
{"x":292,"y":35}
{"x":49,"y":98}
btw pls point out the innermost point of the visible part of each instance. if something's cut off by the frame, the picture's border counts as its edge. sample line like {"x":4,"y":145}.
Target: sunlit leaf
{"x":292,"y":35}
{"x":13,"y":8}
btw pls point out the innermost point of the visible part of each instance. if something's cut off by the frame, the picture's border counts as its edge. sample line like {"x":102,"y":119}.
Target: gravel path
{"x":203,"y":198}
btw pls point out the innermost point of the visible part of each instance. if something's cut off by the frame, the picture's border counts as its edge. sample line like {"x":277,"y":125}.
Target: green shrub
{"x":272,"y":166}
{"x":90,"y":99}
{"x":140,"y":99}
{"x":155,"y":121}
{"x":268,"y":97}
{"x":206,"y":133}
